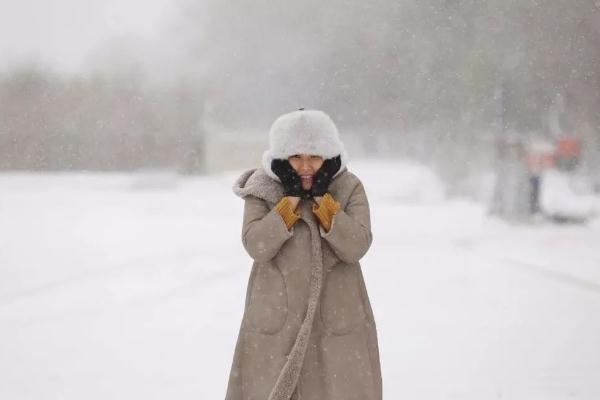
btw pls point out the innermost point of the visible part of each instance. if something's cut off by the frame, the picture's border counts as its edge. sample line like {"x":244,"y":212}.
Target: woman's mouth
{"x":306,"y":178}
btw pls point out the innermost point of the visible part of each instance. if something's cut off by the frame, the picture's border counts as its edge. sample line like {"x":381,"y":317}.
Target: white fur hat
{"x":303,"y":132}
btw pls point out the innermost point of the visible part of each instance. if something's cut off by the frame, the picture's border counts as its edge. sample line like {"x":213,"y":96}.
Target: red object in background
{"x":567,"y":154}
{"x":540,"y":161}
{"x":568,"y":146}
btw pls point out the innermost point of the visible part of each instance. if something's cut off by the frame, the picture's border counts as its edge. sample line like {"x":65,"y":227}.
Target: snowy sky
{"x":60,"y":33}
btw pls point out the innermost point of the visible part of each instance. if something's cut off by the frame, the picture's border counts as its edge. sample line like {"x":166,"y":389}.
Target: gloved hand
{"x":324,"y":175}
{"x":292,"y":184}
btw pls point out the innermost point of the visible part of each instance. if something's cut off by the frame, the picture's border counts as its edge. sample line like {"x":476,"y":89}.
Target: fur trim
{"x":257,"y":183}
{"x":303,"y":132}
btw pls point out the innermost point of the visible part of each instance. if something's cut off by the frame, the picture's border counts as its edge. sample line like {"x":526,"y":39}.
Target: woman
{"x":308,"y":331}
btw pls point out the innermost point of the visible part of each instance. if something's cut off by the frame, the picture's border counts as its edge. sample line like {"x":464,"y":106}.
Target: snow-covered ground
{"x":114,"y":290}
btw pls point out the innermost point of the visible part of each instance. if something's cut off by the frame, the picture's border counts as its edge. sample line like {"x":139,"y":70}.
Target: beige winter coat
{"x":308,"y":331}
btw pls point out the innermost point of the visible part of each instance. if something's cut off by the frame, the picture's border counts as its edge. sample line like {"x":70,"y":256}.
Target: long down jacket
{"x":308,"y":331}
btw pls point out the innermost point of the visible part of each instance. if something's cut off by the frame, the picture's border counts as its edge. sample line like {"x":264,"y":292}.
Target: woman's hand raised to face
{"x":292,"y":184}
{"x":324,"y":176}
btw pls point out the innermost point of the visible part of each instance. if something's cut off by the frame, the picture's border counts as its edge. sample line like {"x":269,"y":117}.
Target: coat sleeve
{"x":264,"y":231}
{"x":350,"y":233}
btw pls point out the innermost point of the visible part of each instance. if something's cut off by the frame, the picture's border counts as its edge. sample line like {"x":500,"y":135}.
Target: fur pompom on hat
{"x":303,"y":132}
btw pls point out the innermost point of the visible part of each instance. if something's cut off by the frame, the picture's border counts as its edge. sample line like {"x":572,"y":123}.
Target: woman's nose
{"x":305,"y":167}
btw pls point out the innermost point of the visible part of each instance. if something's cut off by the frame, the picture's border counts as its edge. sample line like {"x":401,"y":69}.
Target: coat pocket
{"x":263,"y":357}
{"x":348,"y":369}
{"x":267,"y":307}
{"x":342,"y":308}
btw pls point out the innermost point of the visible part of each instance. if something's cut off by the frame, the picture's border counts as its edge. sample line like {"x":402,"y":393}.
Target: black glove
{"x":292,"y":184}
{"x":324,"y":175}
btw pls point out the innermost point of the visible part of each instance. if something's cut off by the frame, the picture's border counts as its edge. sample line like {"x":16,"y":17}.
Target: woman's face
{"x":306,"y":165}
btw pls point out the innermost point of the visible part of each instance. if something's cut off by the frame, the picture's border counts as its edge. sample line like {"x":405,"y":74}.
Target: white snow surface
{"x":560,"y":197}
{"x":114,"y":290}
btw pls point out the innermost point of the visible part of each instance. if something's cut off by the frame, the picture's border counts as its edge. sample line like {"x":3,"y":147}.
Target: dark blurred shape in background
{"x":402,"y":79}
